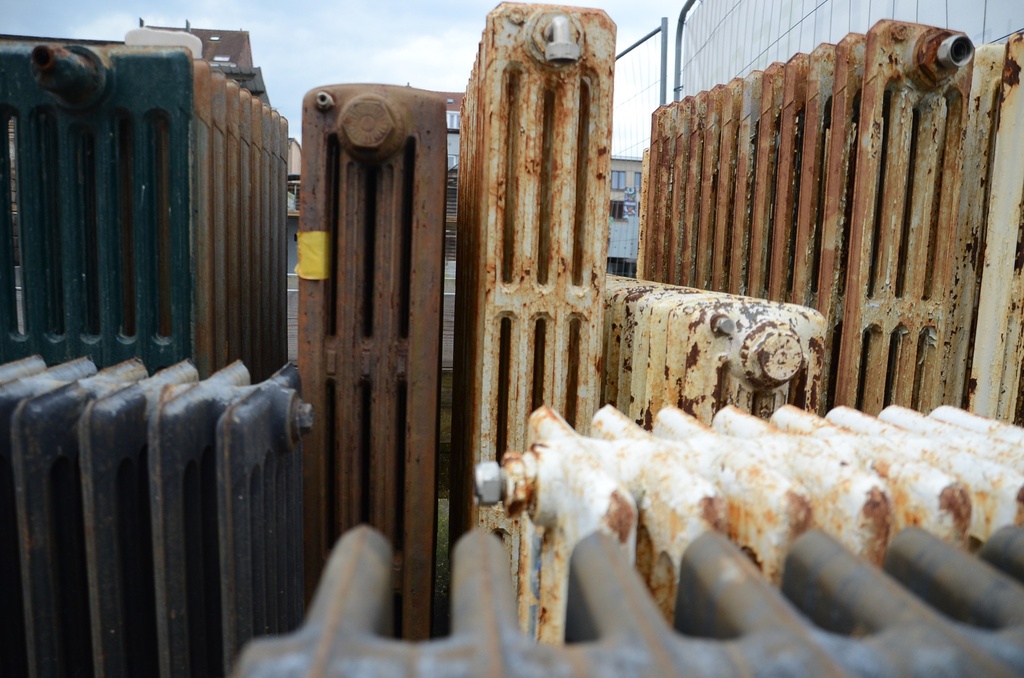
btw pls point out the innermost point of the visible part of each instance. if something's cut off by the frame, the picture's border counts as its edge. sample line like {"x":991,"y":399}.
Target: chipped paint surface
{"x":848,"y":501}
{"x":904,"y":227}
{"x":997,"y":389}
{"x":996,"y":491}
{"x":834,"y":180}
{"x":581,"y":485}
{"x":859,"y":478}
{"x":700,"y":351}
{"x":921,"y":495}
{"x":783,"y":140}
{"x":533,"y":233}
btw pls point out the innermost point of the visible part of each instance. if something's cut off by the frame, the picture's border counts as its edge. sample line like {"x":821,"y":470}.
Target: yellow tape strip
{"x":314,"y":255}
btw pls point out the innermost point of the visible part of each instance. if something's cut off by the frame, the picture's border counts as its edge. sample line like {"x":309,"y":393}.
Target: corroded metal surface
{"x":239,"y":159}
{"x":858,"y":478}
{"x":700,"y":351}
{"x":768,"y":508}
{"x":835,"y":615}
{"x":921,"y":494}
{"x":848,"y":501}
{"x":778,"y":185}
{"x":903,"y":228}
{"x":843,"y":178}
{"x":996,"y":386}
{"x":996,"y":491}
{"x":369,"y":332}
{"x":535,"y":156}
{"x":572,"y":486}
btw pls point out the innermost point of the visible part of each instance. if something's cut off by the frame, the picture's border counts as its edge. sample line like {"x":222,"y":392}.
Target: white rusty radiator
{"x":996,"y":385}
{"x":860,"y":478}
{"x":833,"y":181}
{"x":700,"y":351}
{"x":533,"y":200}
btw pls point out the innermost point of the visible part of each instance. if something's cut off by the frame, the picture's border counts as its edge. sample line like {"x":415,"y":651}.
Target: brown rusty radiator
{"x":700,"y":351}
{"x":533,"y":230}
{"x":148,"y":526}
{"x":144,"y":200}
{"x":860,"y":478}
{"x":833,"y":181}
{"x":933,"y":610}
{"x":239,"y":191}
{"x":371,"y":257}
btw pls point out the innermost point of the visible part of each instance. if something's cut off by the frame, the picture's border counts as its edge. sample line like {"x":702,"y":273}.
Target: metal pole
{"x":664,"y":60}
{"x":637,"y":44}
{"x":677,"y":89}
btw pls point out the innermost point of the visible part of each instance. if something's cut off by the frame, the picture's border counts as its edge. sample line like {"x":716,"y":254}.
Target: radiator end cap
{"x":489,"y":483}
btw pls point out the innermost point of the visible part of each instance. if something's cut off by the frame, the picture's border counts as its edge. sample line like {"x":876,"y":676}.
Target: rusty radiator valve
{"x":955,"y":51}
{"x":74,"y":75}
{"x":560,"y":47}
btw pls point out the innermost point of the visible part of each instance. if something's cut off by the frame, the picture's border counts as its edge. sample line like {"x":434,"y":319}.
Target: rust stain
{"x":621,"y":516}
{"x":693,"y":357}
{"x":877,"y":520}
{"x":801,"y":516}
{"x":371,"y":344}
{"x":715,"y":512}
{"x":1011,"y":73}
{"x":956,"y":502}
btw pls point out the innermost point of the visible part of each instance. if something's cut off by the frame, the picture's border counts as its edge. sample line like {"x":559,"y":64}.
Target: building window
{"x":618,"y":210}
{"x":221,"y":57}
{"x":637,"y":178}
{"x":618,"y":180}
{"x":454,"y":119}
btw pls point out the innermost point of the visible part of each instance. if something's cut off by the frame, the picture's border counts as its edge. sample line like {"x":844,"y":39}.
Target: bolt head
{"x":367,"y":122}
{"x":771,"y":355}
{"x":723,"y":325}
{"x":780,"y":357}
{"x":488,"y":483}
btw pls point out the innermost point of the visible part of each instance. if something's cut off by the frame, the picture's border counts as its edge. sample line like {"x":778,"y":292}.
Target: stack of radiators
{"x":148,"y":526}
{"x":143,"y":207}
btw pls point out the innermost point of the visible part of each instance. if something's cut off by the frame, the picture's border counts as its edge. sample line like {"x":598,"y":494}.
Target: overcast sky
{"x":301,"y":44}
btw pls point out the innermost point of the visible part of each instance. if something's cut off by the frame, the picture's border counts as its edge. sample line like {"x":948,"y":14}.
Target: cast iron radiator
{"x":931,"y":610}
{"x":148,"y":526}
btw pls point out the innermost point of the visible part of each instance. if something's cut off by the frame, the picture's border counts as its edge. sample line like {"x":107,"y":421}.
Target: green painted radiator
{"x":142,"y":210}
